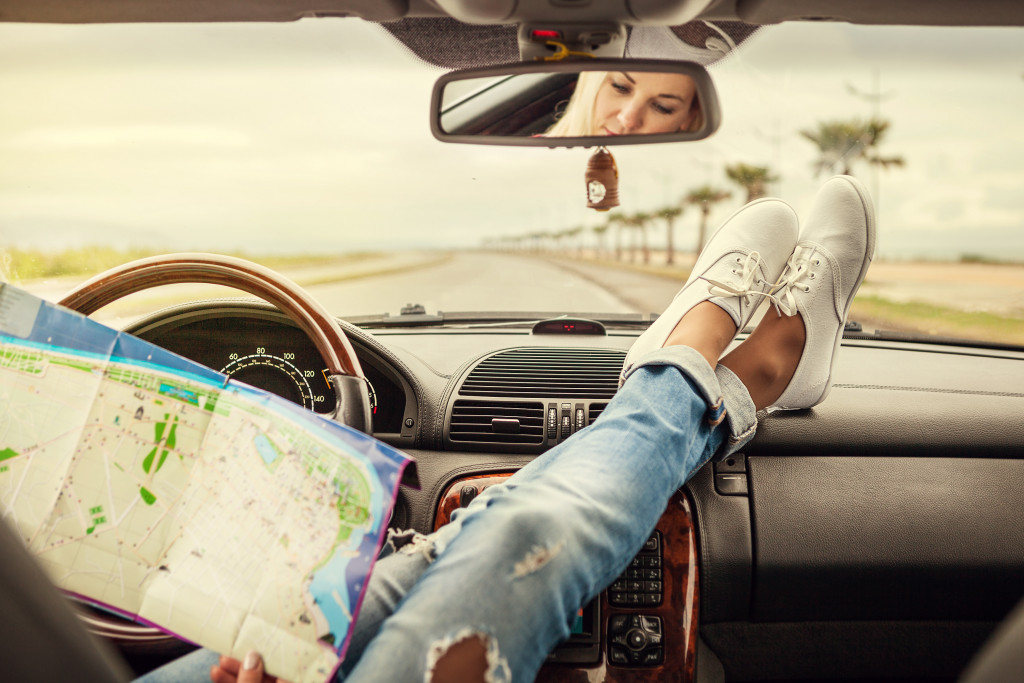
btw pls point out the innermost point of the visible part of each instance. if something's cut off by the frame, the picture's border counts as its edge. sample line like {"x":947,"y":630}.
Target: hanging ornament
{"x":602,"y":180}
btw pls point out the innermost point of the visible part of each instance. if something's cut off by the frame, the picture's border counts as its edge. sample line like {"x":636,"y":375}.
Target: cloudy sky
{"x":313,"y":136}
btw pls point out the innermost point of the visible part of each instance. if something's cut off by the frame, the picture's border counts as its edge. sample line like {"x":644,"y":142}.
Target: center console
{"x":643,"y":626}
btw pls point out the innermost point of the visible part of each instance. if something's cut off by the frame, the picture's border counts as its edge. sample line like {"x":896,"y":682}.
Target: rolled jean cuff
{"x":741,"y":417}
{"x":728,"y":401}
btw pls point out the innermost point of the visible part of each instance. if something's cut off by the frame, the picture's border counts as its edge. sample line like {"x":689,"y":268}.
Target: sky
{"x":313,"y":136}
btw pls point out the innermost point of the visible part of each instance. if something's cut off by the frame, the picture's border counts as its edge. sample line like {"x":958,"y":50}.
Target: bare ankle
{"x":767,"y":360}
{"x":706,"y":328}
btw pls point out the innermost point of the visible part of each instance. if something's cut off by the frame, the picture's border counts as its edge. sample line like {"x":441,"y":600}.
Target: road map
{"x":157,"y":488}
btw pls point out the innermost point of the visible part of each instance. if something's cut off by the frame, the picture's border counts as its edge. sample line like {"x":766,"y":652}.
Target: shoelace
{"x":744,"y":285}
{"x":794,"y":276}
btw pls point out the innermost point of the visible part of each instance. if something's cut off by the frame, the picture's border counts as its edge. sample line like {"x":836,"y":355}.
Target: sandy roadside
{"x":997,"y":289}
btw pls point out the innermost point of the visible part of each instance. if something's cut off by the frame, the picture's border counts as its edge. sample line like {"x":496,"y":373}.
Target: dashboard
{"x":880,"y":534}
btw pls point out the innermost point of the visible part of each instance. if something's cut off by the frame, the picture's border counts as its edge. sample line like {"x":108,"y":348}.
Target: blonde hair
{"x":578,"y":118}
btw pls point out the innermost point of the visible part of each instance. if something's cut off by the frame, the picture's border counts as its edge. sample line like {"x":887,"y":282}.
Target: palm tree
{"x":556,"y":239}
{"x":840,"y":143}
{"x":575,"y":235}
{"x":670,"y":214}
{"x":639,"y":223}
{"x":704,"y":197}
{"x":753,"y":179}
{"x":629,"y":224}
{"x":537,"y":238}
{"x":619,"y":221}
{"x":600,"y":231}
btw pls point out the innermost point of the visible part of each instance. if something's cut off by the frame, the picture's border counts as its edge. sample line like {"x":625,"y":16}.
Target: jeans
{"x":515,"y":565}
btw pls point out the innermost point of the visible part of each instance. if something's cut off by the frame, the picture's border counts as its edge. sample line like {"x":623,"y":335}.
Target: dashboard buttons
{"x":635,"y":640}
{"x":731,"y":476}
{"x":731,"y":484}
{"x":566,"y":420}
{"x":466,"y":495}
{"x":641,"y":584}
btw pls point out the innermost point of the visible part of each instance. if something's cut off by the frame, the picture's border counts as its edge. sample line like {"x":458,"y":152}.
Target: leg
{"x":525,"y":555}
{"x":707,"y":328}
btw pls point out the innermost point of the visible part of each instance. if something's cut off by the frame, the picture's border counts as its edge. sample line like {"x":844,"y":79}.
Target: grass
{"x":31,"y":264}
{"x":26,"y":265}
{"x":987,"y":260}
{"x":875,"y":311}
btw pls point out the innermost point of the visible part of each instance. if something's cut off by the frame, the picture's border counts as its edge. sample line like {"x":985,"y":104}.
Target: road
{"x":477,"y":281}
{"x":498,"y":282}
{"x":463,"y":281}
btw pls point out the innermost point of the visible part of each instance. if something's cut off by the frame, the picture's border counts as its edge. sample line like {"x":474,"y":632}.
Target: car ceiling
{"x":632,"y":12}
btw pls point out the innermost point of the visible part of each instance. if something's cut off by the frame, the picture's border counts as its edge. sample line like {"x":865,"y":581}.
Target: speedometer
{"x":277,"y":374}
{"x":289,"y":376}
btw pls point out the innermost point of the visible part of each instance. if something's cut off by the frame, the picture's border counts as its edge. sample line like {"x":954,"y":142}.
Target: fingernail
{"x":252,"y":660}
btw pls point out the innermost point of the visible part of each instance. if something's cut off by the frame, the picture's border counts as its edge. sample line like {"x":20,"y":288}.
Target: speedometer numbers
{"x":303,"y":381}
{"x":280,"y":373}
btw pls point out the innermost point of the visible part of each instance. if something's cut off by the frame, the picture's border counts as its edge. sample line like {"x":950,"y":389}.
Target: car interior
{"x":877,"y":536}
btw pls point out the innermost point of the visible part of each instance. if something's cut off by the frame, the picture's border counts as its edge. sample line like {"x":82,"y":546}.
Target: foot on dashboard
{"x":738,"y":266}
{"x":823,"y":274}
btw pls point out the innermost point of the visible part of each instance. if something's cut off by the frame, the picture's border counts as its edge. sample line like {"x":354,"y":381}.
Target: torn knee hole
{"x":535,"y":559}
{"x":467,"y":657}
{"x":409,"y":542}
{"x":460,"y":662}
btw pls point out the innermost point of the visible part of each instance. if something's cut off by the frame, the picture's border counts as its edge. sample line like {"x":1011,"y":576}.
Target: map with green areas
{"x":147,"y":483}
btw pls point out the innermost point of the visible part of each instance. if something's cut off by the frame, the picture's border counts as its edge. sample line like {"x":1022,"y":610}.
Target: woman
{"x":487,"y":596}
{"x":630,"y":103}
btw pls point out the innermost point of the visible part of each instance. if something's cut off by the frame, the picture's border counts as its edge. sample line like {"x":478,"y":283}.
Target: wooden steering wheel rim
{"x":136,"y":276}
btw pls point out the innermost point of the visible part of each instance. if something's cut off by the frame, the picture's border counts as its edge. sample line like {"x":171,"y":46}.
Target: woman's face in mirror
{"x":641,"y":103}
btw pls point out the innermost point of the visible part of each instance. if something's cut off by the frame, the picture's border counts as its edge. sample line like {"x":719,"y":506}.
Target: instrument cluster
{"x":267,"y":353}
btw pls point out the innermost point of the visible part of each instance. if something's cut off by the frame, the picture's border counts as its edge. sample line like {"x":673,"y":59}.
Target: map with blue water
{"x":160,"y":489}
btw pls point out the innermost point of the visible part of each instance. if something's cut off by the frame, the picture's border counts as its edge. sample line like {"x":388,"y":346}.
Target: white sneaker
{"x":821,"y":279}
{"x":738,"y":266}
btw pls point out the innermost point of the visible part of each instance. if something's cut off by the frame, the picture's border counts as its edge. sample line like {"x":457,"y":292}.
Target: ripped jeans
{"x":515,"y":565}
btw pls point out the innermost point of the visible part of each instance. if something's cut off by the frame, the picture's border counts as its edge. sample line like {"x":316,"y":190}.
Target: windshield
{"x":306,"y":147}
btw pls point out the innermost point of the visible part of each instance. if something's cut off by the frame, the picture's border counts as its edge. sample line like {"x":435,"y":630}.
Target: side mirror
{"x":586,"y":103}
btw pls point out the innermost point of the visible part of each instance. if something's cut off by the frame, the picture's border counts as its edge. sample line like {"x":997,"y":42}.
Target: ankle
{"x":707,"y":329}
{"x":767,"y":360}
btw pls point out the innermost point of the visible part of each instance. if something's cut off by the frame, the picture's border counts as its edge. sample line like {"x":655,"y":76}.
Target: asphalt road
{"x":459,"y":282}
{"x":499,"y":282}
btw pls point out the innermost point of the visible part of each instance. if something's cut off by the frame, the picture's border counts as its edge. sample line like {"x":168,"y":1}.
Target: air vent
{"x":547,"y":373}
{"x":497,"y":422}
{"x":595,"y":410}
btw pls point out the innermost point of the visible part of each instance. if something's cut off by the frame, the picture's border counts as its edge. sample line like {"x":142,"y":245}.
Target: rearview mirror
{"x":594,"y":102}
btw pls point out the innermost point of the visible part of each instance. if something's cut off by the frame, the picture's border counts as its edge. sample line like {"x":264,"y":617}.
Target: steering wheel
{"x":352,"y":401}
